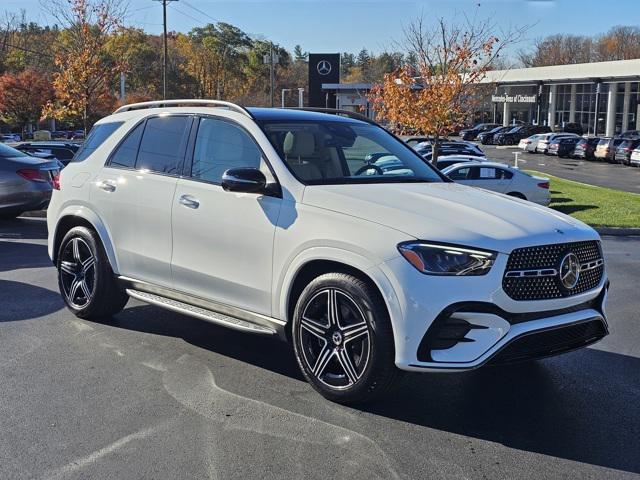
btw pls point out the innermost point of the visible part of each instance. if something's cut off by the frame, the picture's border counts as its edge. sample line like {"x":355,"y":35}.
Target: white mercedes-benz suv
{"x":279,"y":222}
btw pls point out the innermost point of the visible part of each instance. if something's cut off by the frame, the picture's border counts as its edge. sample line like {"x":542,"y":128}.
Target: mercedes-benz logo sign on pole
{"x":324,"y":67}
{"x":569,"y":271}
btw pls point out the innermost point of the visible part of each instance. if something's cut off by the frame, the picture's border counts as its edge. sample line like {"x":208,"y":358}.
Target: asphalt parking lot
{"x":153,"y":394}
{"x":603,"y":174}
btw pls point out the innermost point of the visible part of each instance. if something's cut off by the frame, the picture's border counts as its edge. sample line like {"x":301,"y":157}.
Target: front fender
{"x":354,"y":260}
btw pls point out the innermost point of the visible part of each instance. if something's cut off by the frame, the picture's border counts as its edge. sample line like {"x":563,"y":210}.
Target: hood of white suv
{"x":451,"y":213}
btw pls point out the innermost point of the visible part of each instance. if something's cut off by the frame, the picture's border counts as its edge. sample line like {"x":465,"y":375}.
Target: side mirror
{"x":245,"y":180}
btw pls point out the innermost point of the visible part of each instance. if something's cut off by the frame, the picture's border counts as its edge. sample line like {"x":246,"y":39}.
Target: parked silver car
{"x":26,"y":182}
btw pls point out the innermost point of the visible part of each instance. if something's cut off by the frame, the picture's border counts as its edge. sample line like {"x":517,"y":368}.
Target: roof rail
{"x":335,"y":111}
{"x":184,"y":102}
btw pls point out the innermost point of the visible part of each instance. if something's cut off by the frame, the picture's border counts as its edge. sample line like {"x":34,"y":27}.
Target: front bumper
{"x":434,"y":335}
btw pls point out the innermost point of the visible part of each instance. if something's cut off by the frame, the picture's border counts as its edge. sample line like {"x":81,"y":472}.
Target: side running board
{"x":208,"y":315}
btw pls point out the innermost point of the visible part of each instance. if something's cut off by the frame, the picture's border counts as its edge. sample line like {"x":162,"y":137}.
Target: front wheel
{"x":85,"y":278}
{"x":343,"y":340}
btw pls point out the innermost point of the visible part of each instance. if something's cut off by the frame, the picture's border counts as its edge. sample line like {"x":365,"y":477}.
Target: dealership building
{"x":603,"y":97}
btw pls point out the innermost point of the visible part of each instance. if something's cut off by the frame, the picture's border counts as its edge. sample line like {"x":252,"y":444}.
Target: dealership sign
{"x":504,"y":98}
{"x":323,"y":68}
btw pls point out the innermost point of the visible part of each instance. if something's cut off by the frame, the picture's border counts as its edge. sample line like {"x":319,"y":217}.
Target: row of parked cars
{"x":624,"y":149}
{"x":465,"y":162}
{"x":55,"y":135}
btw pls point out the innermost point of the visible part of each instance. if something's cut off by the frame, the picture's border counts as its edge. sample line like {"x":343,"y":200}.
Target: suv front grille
{"x":532,"y":273}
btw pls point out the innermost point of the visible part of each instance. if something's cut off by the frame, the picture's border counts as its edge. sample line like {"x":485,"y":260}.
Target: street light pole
{"x":164,"y":46}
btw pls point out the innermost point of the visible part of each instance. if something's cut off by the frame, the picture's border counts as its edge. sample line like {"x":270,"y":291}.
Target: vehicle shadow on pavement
{"x":23,"y":229}
{"x":15,"y":255}
{"x":38,"y":301}
{"x":578,"y":406}
{"x":582,"y":406}
{"x":266,"y":352}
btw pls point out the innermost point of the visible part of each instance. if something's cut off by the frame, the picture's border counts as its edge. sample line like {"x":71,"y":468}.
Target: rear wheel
{"x":343,"y":340}
{"x":517,"y":195}
{"x":85,"y":278}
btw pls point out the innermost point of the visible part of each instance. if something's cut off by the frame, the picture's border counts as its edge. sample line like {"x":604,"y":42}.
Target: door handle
{"x":107,"y":186}
{"x":189,"y":202}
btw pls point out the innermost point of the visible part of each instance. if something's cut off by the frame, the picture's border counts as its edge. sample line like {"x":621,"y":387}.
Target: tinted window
{"x":221,"y":145}
{"x":125,"y":154}
{"x":163,"y":144}
{"x":97,"y":136}
{"x":460,"y":174}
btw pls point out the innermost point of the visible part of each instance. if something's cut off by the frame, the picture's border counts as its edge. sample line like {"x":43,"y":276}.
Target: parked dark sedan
{"x":63,"y":151}
{"x":586,"y":148}
{"x":472,"y":133}
{"x":623,"y":152}
{"x":563,"y":146}
{"x":513,"y":136}
{"x":488,"y":138}
{"x":26,"y":182}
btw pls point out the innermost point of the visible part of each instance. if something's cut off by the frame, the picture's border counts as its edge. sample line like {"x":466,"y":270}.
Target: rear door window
{"x":99,"y":133}
{"x":163,"y":144}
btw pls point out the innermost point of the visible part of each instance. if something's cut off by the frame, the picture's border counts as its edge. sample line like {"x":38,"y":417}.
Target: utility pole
{"x":164,"y":45}
{"x":271,"y":59}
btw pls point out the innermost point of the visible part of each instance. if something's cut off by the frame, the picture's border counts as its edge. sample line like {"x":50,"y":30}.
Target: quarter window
{"x":125,"y":154}
{"x":97,"y":136}
{"x":163,"y":144}
{"x":221,"y":145}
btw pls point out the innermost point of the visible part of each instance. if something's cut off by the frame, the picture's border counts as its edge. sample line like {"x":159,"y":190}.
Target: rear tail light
{"x":544,"y":185}
{"x":55,"y":179}
{"x":32,"y":175}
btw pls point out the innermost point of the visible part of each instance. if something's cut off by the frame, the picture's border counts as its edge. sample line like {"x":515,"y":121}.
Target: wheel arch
{"x":310,"y":267}
{"x":83,"y":217}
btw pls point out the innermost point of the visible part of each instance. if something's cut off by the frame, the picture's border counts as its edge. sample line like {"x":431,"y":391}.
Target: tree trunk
{"x":434,"y":149}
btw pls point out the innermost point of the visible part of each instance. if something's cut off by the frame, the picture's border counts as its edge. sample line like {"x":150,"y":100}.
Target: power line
{"x":186,"y":4}
{"x":187,"y":15}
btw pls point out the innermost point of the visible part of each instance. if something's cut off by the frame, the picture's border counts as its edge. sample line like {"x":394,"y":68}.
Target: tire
{"x":348,"y":358}
{"x":517,"y":195}
{"x":87,"y":283}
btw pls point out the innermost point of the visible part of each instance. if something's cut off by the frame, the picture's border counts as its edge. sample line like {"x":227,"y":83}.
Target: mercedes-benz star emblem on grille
{"x":569,"y":271}
{"x":324,"y":67}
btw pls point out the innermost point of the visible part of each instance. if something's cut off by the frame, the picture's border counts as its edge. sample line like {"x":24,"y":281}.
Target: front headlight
{"x":438,"y":259}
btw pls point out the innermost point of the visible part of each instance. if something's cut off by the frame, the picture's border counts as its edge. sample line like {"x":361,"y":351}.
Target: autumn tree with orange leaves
{"x":23,"y":97}
{"x":85,"y":75}
{"x":435,"y":95}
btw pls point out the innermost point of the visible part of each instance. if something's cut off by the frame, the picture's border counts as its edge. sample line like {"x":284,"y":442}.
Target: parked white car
{"x":634,"y":160}
{"x":501,"y":178}
{"x":529,"y":144}
{"x":274,"y":222}
{"x":542,"y":145}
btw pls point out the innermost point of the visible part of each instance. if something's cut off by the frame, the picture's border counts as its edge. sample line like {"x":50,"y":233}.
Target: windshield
{"x":9,"y":152}
{"x":330,"y":153}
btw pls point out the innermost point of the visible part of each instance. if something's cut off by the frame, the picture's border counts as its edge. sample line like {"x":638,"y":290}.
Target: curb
{"x":618,"y":232}
{"x":35,"y":214}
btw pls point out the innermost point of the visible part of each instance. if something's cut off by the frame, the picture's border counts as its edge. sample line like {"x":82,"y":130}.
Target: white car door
{"x":223,"y":241}
{"x":134,"y":192}
{"x":489,"y":178}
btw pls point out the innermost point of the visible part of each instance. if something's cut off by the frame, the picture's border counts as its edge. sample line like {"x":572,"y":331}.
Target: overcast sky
{"x":349,"y":25}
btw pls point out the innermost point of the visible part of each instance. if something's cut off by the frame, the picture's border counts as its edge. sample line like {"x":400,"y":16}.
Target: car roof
{"x":262,"y":114}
